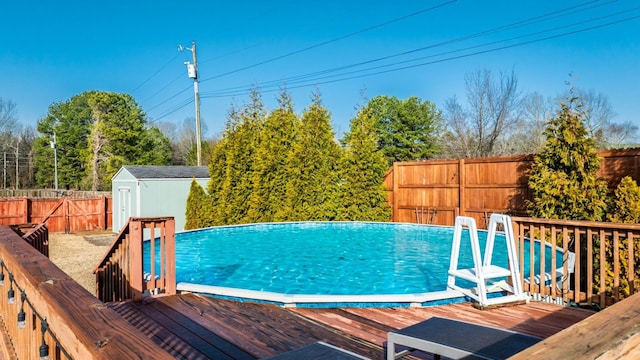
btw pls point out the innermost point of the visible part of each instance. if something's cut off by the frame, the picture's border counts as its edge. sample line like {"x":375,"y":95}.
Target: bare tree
{"x":183,"y":139}
{"x":8,"y":116}
{"x":599,"y":118}
{"x":536,"y":113}
{"x":493,"y":110}
{"x":8,"y":123}
{"x":597,"y":114}
{"x":620,"y":135}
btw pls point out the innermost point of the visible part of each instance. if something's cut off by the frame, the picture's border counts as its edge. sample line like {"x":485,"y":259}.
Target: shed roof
{"x":167,"y":172}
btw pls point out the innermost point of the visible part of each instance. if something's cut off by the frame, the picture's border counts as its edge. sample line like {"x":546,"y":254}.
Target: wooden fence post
{"x":461,"y":189}
{"x":102,"y":217}
{"x":25,"y":214}
{"x":394,"y":198}
{"x":65,"y":214}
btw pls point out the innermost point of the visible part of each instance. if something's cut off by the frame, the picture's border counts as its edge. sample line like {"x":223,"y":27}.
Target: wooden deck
{"x":190,"y":326}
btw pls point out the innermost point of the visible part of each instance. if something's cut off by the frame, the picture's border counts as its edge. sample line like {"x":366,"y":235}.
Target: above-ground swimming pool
{"x":321,"y":262}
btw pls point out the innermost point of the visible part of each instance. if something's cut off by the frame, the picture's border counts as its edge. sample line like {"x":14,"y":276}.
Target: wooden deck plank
{"x":349,"y":323}
{"x":270,"y":329}
{"x":190,"y":332}
{"x":162,"y":336}
{"x":260,"y":330}
{"x":235,"y":323}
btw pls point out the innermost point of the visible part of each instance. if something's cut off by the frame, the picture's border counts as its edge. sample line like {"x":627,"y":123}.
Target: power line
{"x":162,"y":88}
{"x":155,"y":73}
{"x":532,"y":20}
{"x":303,"y":50}
{"x":481,"y":52}
{"x":169,"y":112}
{"x":529,"y":21}
{"x":314,"y":80}
{"x":332,"y":40}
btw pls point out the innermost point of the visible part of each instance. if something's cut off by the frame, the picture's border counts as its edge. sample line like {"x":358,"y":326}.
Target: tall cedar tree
{"x":363,"y":195}
{"x":218,"y":167}
{"x":313,"y":188}
{"x":196,"y":206}
{"x":270,"y":167}
{"x":624,"y":208}
{"x":240,"y":146}
{"x":563,"y":177}
{"x":407,"y":129}
{"x":70,"y":121}
{"x":97,"y":132}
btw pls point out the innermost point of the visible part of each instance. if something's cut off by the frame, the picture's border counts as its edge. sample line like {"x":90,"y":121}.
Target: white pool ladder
{"x":484,"y":270}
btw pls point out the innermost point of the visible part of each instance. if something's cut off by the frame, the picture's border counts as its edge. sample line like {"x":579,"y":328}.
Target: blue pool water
{"x":328,"y":258}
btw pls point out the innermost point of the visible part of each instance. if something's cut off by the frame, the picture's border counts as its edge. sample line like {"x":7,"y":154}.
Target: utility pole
{"x":192,"y":71}
{"x":17,"y":158}
{"x":55,"y":158}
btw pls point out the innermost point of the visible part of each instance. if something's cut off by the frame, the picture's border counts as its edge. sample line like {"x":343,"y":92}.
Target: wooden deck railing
{"x":606,"y":259}
{"x":45,"y":312}
{"x":121,"y":274}
{"x":38,"y":238}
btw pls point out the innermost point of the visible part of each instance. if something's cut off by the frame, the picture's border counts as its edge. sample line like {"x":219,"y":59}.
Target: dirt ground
{"x":78,"y":254}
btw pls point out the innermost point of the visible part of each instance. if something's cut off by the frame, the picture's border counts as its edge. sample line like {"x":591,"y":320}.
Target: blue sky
{"x":52,"y":51}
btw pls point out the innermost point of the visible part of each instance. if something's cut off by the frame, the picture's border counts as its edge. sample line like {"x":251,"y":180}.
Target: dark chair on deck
{"x":457,"y":340}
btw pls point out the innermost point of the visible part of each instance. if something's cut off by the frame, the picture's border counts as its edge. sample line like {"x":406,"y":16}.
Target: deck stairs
{"x":484,"y":273}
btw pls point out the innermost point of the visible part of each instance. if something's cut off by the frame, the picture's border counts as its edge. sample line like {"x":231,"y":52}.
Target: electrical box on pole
{"x":191,"y":70}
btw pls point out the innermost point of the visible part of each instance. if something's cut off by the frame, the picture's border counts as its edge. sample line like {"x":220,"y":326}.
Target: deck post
{"x":135,"y":265}
{"x":170,"y":260}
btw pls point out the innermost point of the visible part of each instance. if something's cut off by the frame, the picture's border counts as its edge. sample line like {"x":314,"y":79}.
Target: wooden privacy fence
{"x":60,"y":214}
{"x":436,"y":191}
{"x":121,"y":274}
{"x":46,"y":313}
{"x":599,"y":264}
{"x":51,"y":193}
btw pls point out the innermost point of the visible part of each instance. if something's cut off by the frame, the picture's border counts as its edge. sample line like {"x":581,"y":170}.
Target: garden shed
{"x":154,"y":191}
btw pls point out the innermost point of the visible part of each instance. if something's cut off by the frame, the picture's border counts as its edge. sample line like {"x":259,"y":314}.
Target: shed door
{"x":124,"y":202}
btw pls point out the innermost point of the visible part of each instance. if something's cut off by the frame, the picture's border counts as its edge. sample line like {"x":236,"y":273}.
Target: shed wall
{"x":166,"y":197}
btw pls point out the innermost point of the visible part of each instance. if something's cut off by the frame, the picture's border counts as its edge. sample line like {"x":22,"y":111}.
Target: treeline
{"x":279,"y":166}
{"x":92,"y":134}
{"x":85,"y":140}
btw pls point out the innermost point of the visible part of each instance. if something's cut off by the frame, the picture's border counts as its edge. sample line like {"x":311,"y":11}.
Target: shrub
{"x":624,"y":208}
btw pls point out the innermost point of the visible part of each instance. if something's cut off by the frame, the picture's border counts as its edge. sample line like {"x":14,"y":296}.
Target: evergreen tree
{"x":624,"y":208}
{"x":191,"y":158}
{"x":407,"y":129}
{"x":218,"y":167}
{"x":312,"y":191}
{"x":155,"y":148}
{"x":240,"y":146}
{"x":70,"y":122}
{"x":97,"y":132}
{"x":270,"y":167}
{"x":625,"y":204}
{"x":363,"y":195}
{"x":563,"y":177}
{"x":196,"y":207}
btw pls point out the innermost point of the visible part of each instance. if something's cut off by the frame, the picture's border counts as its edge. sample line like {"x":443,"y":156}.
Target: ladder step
{"x":489,"y":272}
{"x":506,"y":299}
